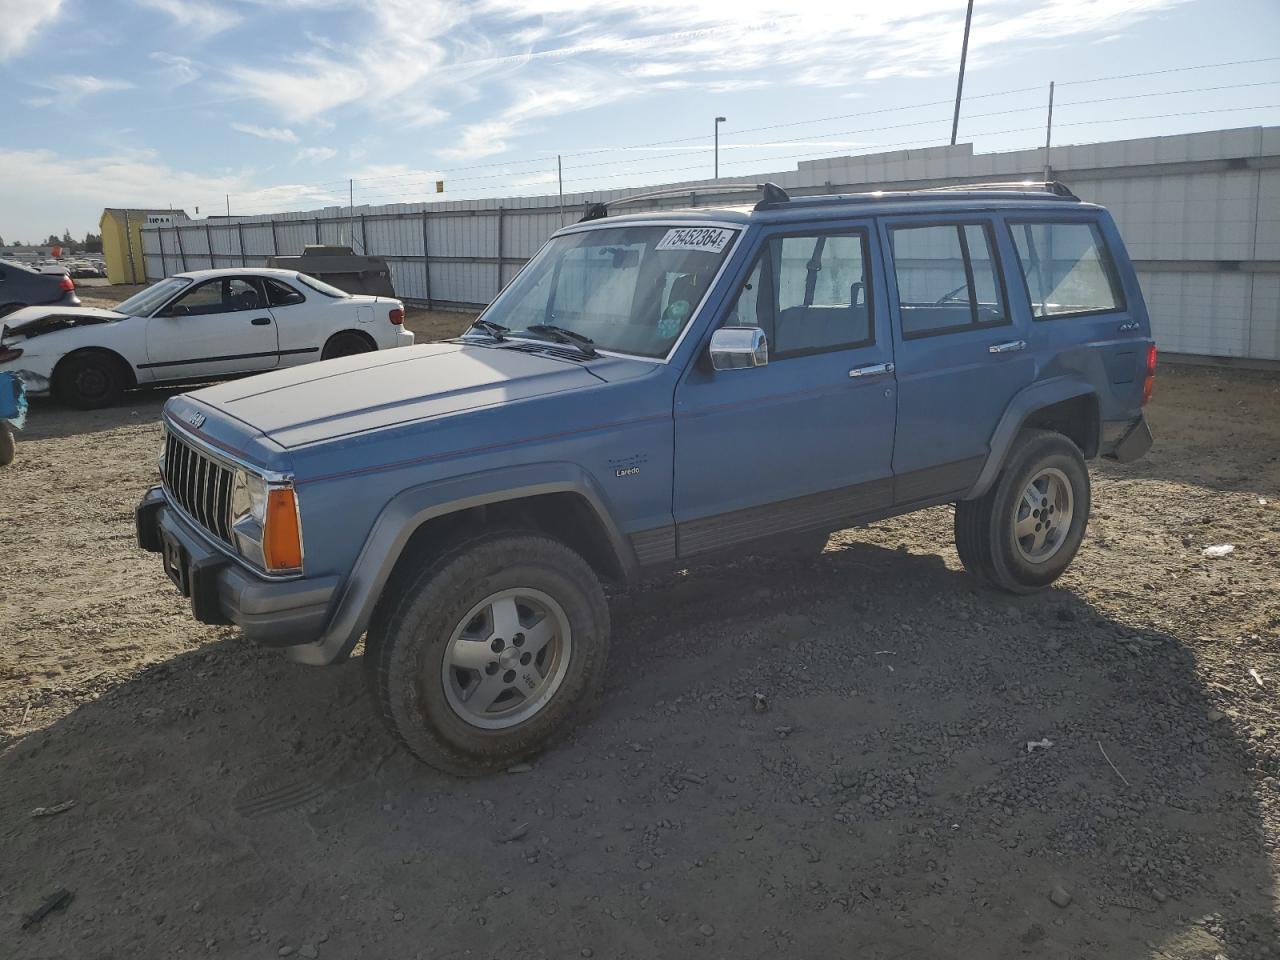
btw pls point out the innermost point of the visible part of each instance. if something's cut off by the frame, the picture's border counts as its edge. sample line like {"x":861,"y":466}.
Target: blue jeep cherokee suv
{"x":654,"y":388}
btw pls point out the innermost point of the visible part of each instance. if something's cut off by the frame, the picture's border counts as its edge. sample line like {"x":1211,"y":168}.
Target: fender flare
{"x":1024,"y":403}
{"x":411,"y":508}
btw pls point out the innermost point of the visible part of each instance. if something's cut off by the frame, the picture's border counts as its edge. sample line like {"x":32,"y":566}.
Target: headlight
{"x":264,"y":523}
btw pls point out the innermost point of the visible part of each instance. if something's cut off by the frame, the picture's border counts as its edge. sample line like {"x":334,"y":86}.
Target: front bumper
{"x":274,"y":613}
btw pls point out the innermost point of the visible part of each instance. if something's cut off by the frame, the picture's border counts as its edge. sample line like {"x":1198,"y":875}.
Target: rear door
{"x":805,"y":440}
{"x":303,"y":320}
{"x":961,"y":348}
{"x":219,"y":327}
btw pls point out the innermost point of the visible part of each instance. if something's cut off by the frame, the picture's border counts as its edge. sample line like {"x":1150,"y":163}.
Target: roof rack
{"x":1008,"y":190}
{"x":770,"y":192}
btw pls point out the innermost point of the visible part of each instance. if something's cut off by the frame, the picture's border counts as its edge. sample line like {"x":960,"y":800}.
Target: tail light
{"x":1149,"y":381}
{"x":67,"y":283}
{"x":396,"y":316}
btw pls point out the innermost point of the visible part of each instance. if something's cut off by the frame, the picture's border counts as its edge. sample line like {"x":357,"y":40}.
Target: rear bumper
{"x":1126,"y":440}
{"x":275,"y":613}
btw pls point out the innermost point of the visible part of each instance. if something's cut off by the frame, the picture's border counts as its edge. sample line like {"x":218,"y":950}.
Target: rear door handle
{"x":1013,"y":346}
{"x":260,"y":321}
{"x":872,"y":370}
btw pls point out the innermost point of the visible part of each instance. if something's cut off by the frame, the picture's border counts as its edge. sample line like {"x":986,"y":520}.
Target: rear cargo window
{"x":1067,"y":268}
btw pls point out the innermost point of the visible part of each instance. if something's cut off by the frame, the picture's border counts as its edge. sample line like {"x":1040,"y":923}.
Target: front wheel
{"x":490,"y":652}
{"x":89,"y":380}
{"x":1025,"y":531}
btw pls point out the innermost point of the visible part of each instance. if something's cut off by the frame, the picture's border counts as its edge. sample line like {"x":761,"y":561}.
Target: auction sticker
{"x":708,"y":239}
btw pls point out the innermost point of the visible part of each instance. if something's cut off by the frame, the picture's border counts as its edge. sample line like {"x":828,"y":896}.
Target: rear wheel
{"x":345,"y":344}
{"x":490,"y":652}
{"x":1025,"y":531}
{"x":89,"y":379}
{"x":6,"y":444}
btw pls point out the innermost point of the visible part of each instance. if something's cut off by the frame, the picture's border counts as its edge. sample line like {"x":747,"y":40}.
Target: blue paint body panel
{"x":674,"y":456}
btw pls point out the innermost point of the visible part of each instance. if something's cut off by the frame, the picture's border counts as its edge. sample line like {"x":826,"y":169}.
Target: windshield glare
{"x":146,"y":302}
{"x":630,"y":289}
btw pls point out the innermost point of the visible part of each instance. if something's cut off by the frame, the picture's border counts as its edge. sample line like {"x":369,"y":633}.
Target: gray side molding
{"x":1042,"y":394}
{"x":411,"y":508}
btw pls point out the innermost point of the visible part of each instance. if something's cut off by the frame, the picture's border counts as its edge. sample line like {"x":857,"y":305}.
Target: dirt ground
{"x":886,"y":804}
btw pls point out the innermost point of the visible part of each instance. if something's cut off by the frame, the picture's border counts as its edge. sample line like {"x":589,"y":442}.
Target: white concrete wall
{"x":1200,"y":214}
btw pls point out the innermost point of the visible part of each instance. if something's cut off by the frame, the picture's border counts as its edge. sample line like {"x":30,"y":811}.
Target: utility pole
{"x":351,"y":210}
{"x":964,"y":53}
{"x":719,"y":120}
{"x":560,"y":180}
{"x":228,"y":204}
{"x":1048,"y":136}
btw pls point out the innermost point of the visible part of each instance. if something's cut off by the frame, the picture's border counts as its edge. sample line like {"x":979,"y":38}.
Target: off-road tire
{"x":984,"y":527}
{"x":89,"y":380}
{"x":409,"y":639}
{"x":346,"y":344}
{"x":6,"y":444}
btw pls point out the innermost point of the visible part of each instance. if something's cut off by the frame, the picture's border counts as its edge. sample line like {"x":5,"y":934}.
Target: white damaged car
{"x":193,"y":327}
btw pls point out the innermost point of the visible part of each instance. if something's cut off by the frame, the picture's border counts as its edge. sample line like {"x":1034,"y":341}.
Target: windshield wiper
{"x":495,"y":330}
{"x":561,"y":335}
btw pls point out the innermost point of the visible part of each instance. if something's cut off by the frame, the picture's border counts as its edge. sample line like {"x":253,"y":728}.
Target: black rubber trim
{"x":233,"y":356}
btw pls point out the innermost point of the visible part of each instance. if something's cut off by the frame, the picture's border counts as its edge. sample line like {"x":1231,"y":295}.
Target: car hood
{"x":325,"y":401}
{"x":33,"y":321}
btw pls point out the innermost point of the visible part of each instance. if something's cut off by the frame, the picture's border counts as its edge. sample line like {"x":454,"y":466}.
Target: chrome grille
{"x":198,"y":484}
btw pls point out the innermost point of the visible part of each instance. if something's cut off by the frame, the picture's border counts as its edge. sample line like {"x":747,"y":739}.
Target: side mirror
{"x":737,"y":348}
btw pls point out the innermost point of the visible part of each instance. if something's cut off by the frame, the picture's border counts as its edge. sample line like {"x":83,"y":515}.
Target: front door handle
{"x":260,"y":321}
{"x":1013,"y":346}
{"x":872,"y":370}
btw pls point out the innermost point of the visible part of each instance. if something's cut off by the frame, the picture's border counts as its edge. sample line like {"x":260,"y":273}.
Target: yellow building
{"x":122,"y":240}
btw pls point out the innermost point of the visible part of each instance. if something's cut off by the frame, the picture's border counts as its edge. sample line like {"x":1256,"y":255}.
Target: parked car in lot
{"x":651,"y":390}
{"x":198,"y":326}
{"x":21,"y":286}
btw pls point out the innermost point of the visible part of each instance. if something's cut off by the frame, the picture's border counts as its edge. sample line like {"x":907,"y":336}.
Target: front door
{"x":806,"y":440}
{"x":961,"y":349}
{"x":218,"y":327}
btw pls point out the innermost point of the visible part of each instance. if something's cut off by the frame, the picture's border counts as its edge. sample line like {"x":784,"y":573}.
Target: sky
{"x":278,"y":104}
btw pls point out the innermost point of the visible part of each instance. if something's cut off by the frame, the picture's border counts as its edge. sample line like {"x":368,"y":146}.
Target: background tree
{"x":93,"y":243}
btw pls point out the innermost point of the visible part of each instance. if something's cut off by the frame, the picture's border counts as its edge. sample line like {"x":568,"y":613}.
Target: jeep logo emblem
{"x":195,"y":419}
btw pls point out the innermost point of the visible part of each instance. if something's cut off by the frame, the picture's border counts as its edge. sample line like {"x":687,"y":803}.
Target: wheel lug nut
{"x":525,"y":658}
{"x":497,"y":645}
{"x":509,"y":676}
{"x":518,"y":639}
{"x":491,"y":668}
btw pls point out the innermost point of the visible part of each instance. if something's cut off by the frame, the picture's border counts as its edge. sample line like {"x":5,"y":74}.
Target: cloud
{"x":21,"y":20}
{"x":201,"y":16}
{"x":178,"y":70}
{"x":279,"y":134}
{"x":315,"y":154}
{"x":67,"y":91}
{"x":396,"y":44}
{"x":43,"y":190}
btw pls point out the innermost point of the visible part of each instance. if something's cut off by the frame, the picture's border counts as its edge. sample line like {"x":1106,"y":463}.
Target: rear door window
{"x":1068,"y":269}
{"x":948,"y":278}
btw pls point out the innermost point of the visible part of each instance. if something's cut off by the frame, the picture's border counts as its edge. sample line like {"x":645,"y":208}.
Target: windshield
{"x":328,"y":289}
{"x":630,"y":289}
{"x":146,"y":302}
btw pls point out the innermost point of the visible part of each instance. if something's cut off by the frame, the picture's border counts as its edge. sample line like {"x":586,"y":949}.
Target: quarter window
{"x":280,"y":294}
{"x":809,"y":294}
{"x":1067,"y":269}
{"x":948,"y":279}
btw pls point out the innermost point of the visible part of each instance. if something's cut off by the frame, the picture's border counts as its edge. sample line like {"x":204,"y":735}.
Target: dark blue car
{"x":653,"y":389}
{"x":20,"y":286}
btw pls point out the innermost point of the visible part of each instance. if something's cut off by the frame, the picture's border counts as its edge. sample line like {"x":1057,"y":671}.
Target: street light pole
{"x":719,"y":120}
